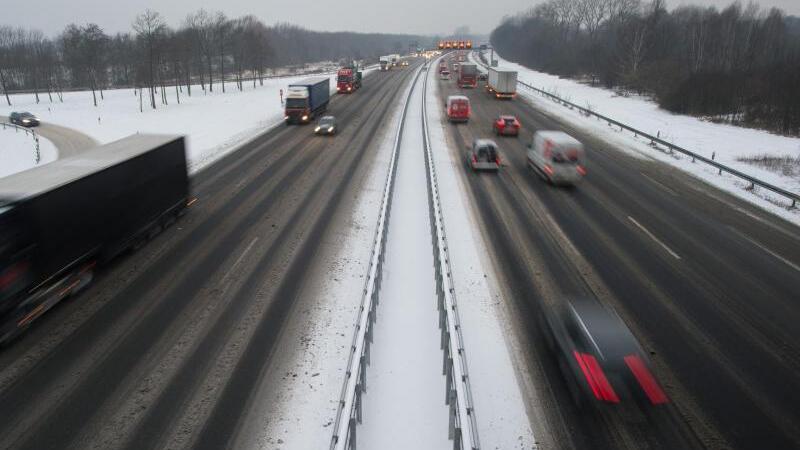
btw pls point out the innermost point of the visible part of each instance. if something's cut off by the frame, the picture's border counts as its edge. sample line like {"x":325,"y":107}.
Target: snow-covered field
{"x":727,"y":143}
{"x":18,"y":151}
{"x":214,"y":123}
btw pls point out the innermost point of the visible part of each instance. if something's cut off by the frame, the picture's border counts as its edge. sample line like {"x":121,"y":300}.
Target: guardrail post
{"x":352,"y":443}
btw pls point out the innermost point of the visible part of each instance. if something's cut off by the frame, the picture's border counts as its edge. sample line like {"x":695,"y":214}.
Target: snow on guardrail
{"x":463,"y":424}
{"x":349,"y":413}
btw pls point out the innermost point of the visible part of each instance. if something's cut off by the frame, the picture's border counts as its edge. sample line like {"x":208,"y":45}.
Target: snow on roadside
{"x":215,"y":123}
{"x":300,"y":410}
{"x":727,"y":143}
{"x":18,"y":151}
{"x":502,"y":417}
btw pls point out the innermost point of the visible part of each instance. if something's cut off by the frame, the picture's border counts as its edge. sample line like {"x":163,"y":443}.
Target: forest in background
{"x":207,"y":49}
{"x":738,"y":65}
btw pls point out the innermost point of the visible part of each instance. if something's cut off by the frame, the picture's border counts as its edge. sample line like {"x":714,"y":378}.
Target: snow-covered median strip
{"x":18,"y":150}
{"x":502,"y":416}
{"x":214,"y":122}
{"x":727,"y":144}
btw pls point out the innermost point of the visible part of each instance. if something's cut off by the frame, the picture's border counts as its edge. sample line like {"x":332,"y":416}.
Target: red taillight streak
{"x":581,"y":170}
{"x":548,"y":169}
{"x":11,"y":274}
{"x":646,"y":380}
{"x":596,"y":378}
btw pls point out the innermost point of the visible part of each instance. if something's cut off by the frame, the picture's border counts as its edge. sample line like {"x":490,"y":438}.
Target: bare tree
{"x":149,"y":28}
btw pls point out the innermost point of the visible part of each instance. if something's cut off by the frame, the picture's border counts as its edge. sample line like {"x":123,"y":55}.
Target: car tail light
{"x":581,"y":170}
{"x":646,"y":380}
{"x":11,"y":274}
{"x":596,"y":378}
{"x":548,"y":169}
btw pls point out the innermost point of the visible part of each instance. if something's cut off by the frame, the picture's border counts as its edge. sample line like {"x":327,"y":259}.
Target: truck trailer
{"x":306,"y":99}
{"x":468,"y":75}
{"x":59,"y":221}
{"x":502,"y":83}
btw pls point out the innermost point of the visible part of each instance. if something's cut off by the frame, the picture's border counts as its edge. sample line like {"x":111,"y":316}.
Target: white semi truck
{"x":502,"y":83}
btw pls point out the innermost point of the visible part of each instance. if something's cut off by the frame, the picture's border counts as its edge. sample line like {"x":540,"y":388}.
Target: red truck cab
{"x":347,"y":81}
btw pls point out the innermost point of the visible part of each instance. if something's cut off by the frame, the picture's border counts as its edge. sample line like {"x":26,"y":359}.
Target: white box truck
{"x":502,"y":83}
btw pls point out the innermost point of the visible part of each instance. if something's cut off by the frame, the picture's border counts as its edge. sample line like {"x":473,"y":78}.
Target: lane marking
{"x":239,"y":260}
{"x":663,"y":186}
{"x":652,"y":236}
{"x":744,"y":211}
{"x":762,"y":247}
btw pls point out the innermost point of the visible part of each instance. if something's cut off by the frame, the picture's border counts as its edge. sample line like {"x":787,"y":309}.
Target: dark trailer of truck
{"x":59,"y":220}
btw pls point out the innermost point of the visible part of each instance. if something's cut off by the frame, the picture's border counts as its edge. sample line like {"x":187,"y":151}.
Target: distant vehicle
{"x":484,"y":47}
{"x":306,"y":99}
{"x":468,"y":75}
{"x":458,"y":108}
{"x":599,"y":357}
{"x":385,"y":63}
{"x":502,"y":83}
{"x":60,"y":220}
{"x":483,"y":155}
{"x":455,"y":67}
{"x":404,"y":63}
{"x":444,"y":75}
{"x":506,"y":126}
{"x":326,"y":125}
{"x":23,"y":119}
{"x":482,"y":76}
{"x":348,"y":78}
{"x":394,"y":59}
{"x":558,"y":157}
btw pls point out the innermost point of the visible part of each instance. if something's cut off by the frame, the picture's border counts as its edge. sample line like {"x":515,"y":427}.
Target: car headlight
{"x":26,"y":120}
{"x":305,"y":117}
{"x":330,"y":130}
{"x":285,"y":117}
{"x":316,"y":129}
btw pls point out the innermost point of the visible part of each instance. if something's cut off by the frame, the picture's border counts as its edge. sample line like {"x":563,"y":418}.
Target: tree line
{"x":208,"y":50}
{"x":739,"y":64}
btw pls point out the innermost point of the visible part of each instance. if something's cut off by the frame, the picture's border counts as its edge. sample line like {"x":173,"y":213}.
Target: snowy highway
{"x":707,"y":282}
{"x":170,"y":345}
{"x":232,"y":328}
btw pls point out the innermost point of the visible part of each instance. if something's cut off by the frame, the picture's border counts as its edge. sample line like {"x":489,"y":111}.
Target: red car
{"x":507,"y":125}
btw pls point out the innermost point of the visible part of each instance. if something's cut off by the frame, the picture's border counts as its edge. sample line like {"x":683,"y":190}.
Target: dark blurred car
{"x":24,"y":119}
{"x":506,"y":126}
{"x":599,"y":356}
{"x":482,"y":76}
{"x":483,"y":155}
{"x":326,"y":125}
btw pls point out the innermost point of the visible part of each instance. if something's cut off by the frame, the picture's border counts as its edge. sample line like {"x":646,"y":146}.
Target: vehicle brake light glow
{"x":646,"y":380}
{"x":581,"y":170}
{"x":548,"y":169}
{"x":596,"y":378}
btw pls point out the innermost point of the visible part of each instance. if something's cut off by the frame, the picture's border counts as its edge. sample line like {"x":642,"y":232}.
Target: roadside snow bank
{"x":726,"y":143}
{"x":502,"y":418}
{"x":18,"y":151}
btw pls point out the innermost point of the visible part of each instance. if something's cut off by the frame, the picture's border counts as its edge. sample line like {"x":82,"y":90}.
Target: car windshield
{"x":326,"y":122}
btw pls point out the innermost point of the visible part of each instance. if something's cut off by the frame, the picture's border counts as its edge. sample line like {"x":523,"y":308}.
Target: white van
{"x":558,"y":157}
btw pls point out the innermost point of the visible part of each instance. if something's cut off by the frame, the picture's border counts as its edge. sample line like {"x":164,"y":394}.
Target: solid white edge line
{"x":654,"y":238}
{"x":762,"y":247}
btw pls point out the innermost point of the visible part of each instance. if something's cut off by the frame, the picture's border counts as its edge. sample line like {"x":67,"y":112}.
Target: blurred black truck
{"x":60,"y":220}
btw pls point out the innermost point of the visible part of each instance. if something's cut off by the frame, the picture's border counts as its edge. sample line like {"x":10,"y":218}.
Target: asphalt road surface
{"x":166,"y":347}
{"x":708,"y":284}
{"x":68,"y":142}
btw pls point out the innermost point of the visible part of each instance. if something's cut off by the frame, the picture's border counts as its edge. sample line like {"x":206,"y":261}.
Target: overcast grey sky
{"x":397,"y":16}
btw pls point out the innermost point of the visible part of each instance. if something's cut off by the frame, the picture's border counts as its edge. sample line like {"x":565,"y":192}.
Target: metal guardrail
{"x":349,"y":413}
{"x":655,"y":140}
{"x":463,"y":428}
{"x":18,"y":128}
